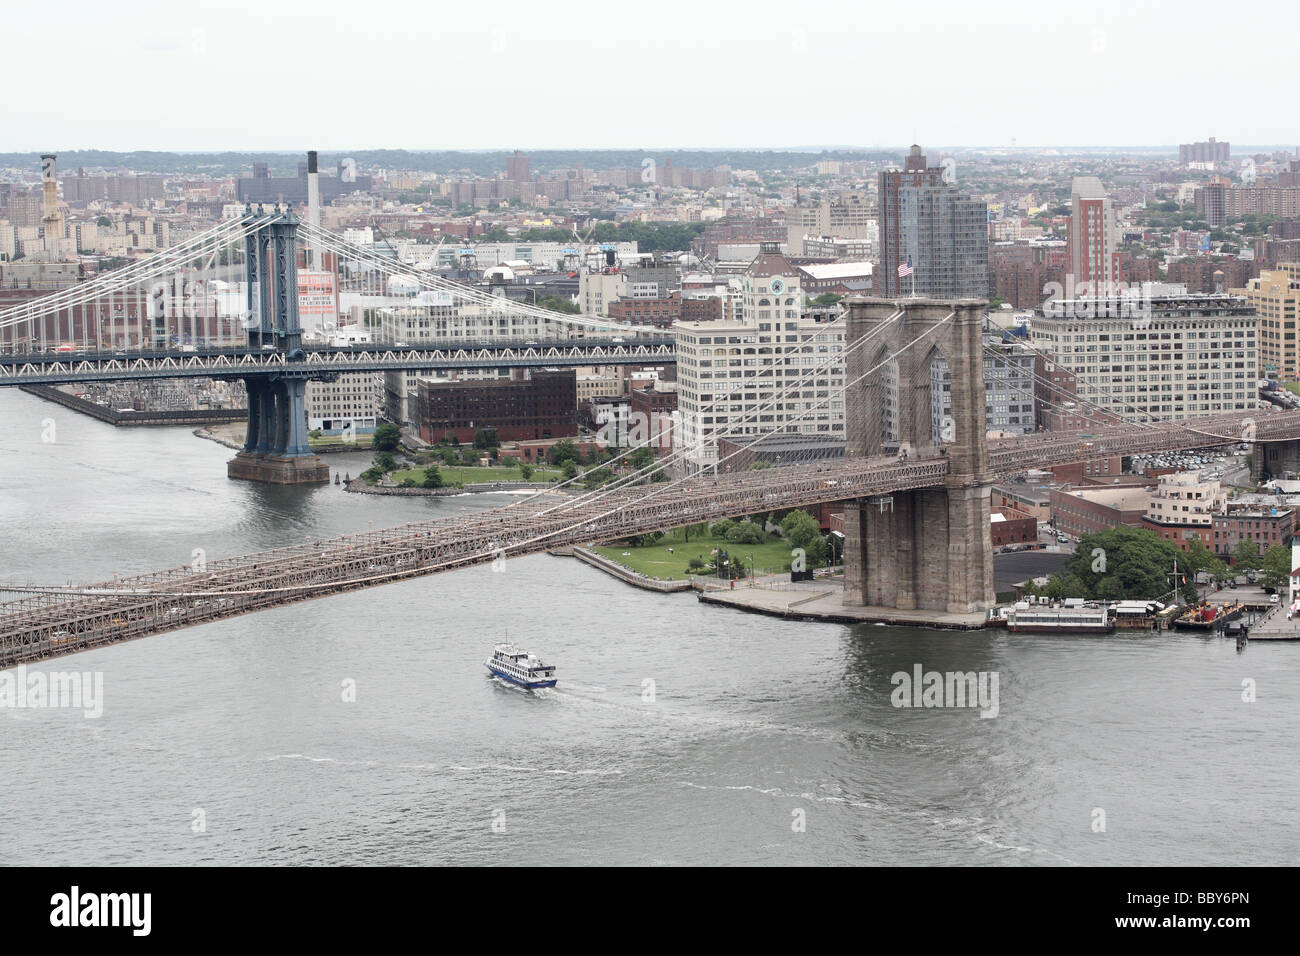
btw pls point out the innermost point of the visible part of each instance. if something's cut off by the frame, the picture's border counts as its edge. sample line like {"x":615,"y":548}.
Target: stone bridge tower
{"x":926,"y":549}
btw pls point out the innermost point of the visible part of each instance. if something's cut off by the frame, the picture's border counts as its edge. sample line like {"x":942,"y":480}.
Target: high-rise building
{"x":25,"y":208}
{"x":1207,"y":152}
{"x":1275,"y":297}
{"x":517,"y":167}
{"x":929,"y":223}
{"x":738,"y":378}
{"x":1092,"y":238}
{"x":849,"y":215}
{"x":1182,"y":356}
{"x":1220,"y":202}
{"x":1008,"y":389}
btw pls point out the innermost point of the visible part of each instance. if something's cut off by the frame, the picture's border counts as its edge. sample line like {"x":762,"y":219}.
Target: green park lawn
{"x":1292,"y":387}
{"x":474,"y":474}
{"x":654,"y":560}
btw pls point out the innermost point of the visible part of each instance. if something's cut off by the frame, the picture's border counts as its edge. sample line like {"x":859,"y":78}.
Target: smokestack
{"x":313,"y":207}
{"x":52,"y":220}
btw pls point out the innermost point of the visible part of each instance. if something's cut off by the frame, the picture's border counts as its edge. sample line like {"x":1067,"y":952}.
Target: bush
{"x":407,"y":482}
{"x":719,"y":529}
{"x":746,"y":532}
{"x":694,"y":564}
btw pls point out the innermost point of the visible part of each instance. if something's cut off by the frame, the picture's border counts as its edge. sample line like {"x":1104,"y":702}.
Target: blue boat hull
{"x":527,"y":685}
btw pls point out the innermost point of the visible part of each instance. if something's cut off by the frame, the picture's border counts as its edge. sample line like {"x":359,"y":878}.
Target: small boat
{"x":516,"y":666}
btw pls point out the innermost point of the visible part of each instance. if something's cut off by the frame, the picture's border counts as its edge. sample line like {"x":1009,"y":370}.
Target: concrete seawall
{"x":359,"y":486}
{"x":587,"y":556}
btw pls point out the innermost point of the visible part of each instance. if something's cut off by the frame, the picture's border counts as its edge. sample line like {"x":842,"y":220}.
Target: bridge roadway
{"x":59,"y":621}
{"x":53,"y":368}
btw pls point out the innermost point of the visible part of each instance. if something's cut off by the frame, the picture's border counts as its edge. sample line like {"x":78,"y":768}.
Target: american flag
{"x":905,"y":269}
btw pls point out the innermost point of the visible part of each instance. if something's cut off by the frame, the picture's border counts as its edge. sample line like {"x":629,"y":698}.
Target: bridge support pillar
{"x":1274,"y":459}
{"x":925,"y":549}
{"x":276,"y":450}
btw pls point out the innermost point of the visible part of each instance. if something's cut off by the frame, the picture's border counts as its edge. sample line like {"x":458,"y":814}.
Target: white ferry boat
{"x":1071,"y":619}
{"x":517,"y":666}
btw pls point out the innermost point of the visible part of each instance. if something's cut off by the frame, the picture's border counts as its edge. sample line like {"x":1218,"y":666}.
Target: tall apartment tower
{"x":1092,"y":238}
{"x":940,"y":230}
{"x":52,"y":220}
{"x":517,"y":167}
{"x":1211,"y":151}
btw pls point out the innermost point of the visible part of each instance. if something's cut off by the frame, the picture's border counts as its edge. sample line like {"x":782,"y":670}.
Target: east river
{"x":364,"y":728}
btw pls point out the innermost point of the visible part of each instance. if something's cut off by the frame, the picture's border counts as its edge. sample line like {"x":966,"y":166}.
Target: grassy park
{"x":475,"y":474}
{"x":656,"y":561}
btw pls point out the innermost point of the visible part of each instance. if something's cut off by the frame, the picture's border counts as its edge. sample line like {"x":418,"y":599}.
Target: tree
{"x":557,"y":304}
{"x":1137,"y":560}
{"x":746,"y":532}
{"x":562,"y":451}
{"x":720,"y":527}
{"x":827,"y":298}
{"x":800,"y":529}
{"x":387,"y":437}
{"x":432,"y":477}
{"x":385,"y":462}
{"x":816,"y":552}
{"x":639,"y":458}
{"x":486,"y":438}
{"x":1275,"y":569}
{"x":570,"y":471}
{"x":701,"y":530}
{"x":526,"y":472}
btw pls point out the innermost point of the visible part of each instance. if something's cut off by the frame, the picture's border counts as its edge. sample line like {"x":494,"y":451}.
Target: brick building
{"x":1077,"y":472}
{"x":651,"y":415}
{"x":1183,"y":507}
{"x":1080,"y":511}
{"x":1266,"y":527}
{"x":1009,"y":526}
{"x":1207,"y":276}
{"x":544,"y":406}
{"x":660,"y":312}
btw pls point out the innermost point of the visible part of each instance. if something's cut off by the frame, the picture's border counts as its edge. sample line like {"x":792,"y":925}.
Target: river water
{"x":364,"y":729}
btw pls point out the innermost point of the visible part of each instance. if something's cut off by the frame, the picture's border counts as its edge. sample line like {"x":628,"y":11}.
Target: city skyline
{"x":636,"y":78}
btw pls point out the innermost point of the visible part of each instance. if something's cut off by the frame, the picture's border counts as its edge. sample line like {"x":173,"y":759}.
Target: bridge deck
{"x":58,"y":621}
{"x":49,"y":368}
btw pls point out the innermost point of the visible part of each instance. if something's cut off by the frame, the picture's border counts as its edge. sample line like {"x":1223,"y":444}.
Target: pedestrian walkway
{"x":1275,"y":626}
{"x":824,"y":601}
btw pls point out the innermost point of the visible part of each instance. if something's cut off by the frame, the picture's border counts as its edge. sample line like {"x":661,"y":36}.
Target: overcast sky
{"x":275,"y":74}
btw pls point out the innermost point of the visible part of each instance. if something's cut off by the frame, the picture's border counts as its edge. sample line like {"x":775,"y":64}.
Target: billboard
{"x":318,"y":303}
